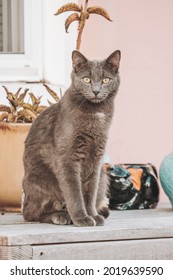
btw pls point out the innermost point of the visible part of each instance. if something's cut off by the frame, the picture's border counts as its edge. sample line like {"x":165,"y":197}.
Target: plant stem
{"x":83,"y":18}
{"x":86,"y":5}
{"x":79,"y":36}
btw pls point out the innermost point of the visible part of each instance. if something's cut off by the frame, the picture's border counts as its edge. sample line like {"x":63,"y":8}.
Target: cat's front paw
{"x":99,"y":220}
{"x":87,"y":221}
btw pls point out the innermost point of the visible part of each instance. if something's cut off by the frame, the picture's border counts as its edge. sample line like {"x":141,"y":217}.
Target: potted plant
{"x":15,"y":122}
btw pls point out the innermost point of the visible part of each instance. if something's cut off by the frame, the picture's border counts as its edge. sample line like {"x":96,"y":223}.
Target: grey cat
{"x":64,"y":181}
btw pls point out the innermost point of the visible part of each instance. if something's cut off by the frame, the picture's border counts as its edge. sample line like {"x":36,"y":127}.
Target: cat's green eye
{"x":87,"y":80}
{"x":105,"y":80}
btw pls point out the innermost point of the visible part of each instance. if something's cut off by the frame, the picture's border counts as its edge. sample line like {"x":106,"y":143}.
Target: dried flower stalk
{"x":81,"y":15}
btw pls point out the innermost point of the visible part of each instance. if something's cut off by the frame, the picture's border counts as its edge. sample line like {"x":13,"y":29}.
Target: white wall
{"x":57,"y":45}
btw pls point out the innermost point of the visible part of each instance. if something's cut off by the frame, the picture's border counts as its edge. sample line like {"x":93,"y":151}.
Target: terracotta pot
{"x":12,"y":137}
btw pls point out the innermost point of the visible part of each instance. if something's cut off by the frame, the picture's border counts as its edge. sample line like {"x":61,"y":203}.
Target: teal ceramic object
{"x":166,"y":176}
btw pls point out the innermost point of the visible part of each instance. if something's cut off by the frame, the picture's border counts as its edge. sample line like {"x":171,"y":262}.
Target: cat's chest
{"x":87,"y":136}
{"x":99,"y":117}
{"x":93,"y":128}
{"x":95,"y":124}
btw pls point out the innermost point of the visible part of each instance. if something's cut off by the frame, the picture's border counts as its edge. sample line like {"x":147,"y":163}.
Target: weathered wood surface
{"x":121,"y":225}
{"x":152,"y":249}
{"x":16,"y":252}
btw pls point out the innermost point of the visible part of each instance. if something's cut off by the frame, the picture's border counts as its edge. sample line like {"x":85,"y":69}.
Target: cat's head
{"x":95,"y":80}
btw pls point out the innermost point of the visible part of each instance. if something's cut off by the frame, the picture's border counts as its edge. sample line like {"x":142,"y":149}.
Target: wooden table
{"x":133,"y":234}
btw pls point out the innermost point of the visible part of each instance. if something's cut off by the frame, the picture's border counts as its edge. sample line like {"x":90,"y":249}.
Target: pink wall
{"x":142,"y":129}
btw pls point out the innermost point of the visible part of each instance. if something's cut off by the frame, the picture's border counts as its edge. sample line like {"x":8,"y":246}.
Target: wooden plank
{"x":15,"y":252}
{"x":12,"y":218}
{"x":121,"y":225}
{"x":56,"y":234}
{"x":156,"y":249}
{"x":162,"y":210}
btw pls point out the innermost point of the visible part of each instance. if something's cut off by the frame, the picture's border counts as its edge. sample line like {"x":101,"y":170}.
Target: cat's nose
{"x":96,"y":92}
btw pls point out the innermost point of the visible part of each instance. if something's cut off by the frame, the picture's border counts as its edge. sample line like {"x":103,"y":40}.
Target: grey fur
{"x":64,"y":181}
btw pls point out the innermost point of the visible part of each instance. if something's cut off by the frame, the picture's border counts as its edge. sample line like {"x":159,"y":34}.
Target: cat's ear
{"x":78,"y":59}
{"x":113,"y":61}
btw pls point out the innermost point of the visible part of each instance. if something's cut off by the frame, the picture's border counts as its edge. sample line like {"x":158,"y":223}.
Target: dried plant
{"x":20,"y":111}
{"x":81,"y":14}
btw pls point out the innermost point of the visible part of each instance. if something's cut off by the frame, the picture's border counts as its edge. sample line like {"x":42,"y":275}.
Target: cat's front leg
{"x":70,"y":184}
{"x":102,"y":195}
{"x":90,"y":196}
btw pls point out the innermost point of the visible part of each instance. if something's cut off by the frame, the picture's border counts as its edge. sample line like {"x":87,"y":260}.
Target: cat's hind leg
{"x":42,"y":196}
{"x":33,"y":205}
{"x":46,"y":212}
{"x":44,"y":208}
